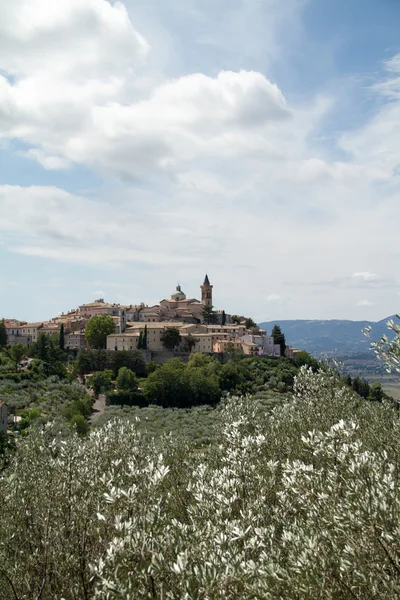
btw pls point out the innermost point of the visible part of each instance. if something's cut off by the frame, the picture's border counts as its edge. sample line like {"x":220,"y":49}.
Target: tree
{"x":47,"y":349}
{"x":167,"y":386}
{"x":232,"y":352}
{"x":203,"y":388}
{"x":189,"y":342}
{"x":42,"y":347}
{"x":62,"y":337}
{"x":385,"y":349}
{"x":140,"y":341}
{"x":133,"y":359}
{"x":223,"y":319}
{"x":170,"y":338}
{"x":144,"y":339}
{"x":376,"y":393}
{"x":101,"y":381}
{"x":83,"y":363}
{"x":3,"y":334}
{"x":79,"y":423}
{"x":250,"y":324}
{"x":279,"y":338}
{"x":17,"y":353}
{"x":303,"y":358}
{"x":235,"y":319}
{"x":209,"y":315}
{"x":97,"y":330}
{"x":127,"y":380}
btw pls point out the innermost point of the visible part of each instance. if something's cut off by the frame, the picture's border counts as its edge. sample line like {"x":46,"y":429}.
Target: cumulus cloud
{"x":365,"y":303}
{"x":218,"y":168}
{"x":73,"y":38}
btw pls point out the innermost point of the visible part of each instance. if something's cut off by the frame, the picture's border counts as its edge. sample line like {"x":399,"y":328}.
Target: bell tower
{"x":206,"y":292}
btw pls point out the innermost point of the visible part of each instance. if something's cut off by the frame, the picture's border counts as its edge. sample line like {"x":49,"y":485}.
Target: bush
{"x":127,"y":380}
{"x":298,"y":501}
{"x":79,"y":423}
{"x":101,"y":381}
{"x":124,"y":398}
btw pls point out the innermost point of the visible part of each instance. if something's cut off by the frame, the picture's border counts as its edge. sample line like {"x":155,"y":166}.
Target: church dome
{"x":178,"y":295}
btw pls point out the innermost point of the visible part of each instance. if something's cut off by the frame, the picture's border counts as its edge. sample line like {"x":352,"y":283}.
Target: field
{"x":391,"y":385}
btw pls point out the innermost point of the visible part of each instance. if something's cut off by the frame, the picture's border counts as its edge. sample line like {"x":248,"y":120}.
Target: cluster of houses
{"x":189,"y":315}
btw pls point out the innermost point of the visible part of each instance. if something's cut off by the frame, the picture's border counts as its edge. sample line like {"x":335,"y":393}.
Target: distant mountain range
{"x":326,"y":337}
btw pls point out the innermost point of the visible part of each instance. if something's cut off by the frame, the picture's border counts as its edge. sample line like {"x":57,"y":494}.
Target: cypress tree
{"x":3,"y":334}
{"x":140,"y":342}
{"x":62,"y":337}
{"x":279,"y":338}
{"x":223,"y":318}
{"x":42,"y":347}
{"x":144,"y":339}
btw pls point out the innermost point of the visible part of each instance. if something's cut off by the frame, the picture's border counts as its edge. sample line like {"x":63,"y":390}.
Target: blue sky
{"x":145,"y":143}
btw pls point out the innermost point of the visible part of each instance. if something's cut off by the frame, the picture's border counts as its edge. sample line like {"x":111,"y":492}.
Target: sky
{"x":145,"y":143}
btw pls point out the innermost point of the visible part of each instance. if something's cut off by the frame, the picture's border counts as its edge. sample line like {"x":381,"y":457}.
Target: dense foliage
{"x":3,"y":334}
{"x":170,"y":338}
{"x":279,"y":338}
{"x":204,"y":379}
{"x":299,"y":502}
{"x":97,"y":330}
{"x":89,"y":361}
{"x":44,"y":400}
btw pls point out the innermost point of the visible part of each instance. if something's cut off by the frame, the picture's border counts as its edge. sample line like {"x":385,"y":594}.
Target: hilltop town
{"x":201,"y":328}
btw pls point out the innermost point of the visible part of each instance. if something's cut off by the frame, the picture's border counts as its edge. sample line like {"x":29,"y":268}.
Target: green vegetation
{"x":89,"y":361}
{"x":279,"y":338}
{"x":204,"y":380}
{"x":101,"y":381}
{"x":262,"y":496}
{"x":299,"y":501}
{"x":250,"y":324}
{"x":17,"y":353}
{"x":49,"y":399}
{"x":61,"y":341}
{"x":127,"y":380}
{"x":143,"y":339}
{"x":51,"y":358}
{"x":209,"y":315}
{"x":170,"y":338}
{"x":97,"y":330}
{"x":45,"y":390}
{"x":3,"y":334}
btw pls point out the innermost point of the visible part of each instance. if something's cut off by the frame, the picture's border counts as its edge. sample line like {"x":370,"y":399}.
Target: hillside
{"x":329,"y":336}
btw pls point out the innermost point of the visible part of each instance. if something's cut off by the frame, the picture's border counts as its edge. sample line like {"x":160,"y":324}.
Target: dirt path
{"x":98,"y":409}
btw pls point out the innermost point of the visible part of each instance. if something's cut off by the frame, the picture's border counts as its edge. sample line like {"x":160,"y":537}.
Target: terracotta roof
{"x":33,"y":325}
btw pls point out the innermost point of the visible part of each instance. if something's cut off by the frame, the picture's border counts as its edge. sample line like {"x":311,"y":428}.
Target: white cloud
{"x":364,"y":276}
{"x":273,"y":298}
{"x":365,"y":303}
{"x":73,"y":38}
{"x":232,"y":175}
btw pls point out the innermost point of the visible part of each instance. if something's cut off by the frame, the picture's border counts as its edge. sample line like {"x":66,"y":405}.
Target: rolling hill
{"x":326,"y":337}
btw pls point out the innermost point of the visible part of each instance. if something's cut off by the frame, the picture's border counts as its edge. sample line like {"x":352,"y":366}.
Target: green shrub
{"x":79,"y":423}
